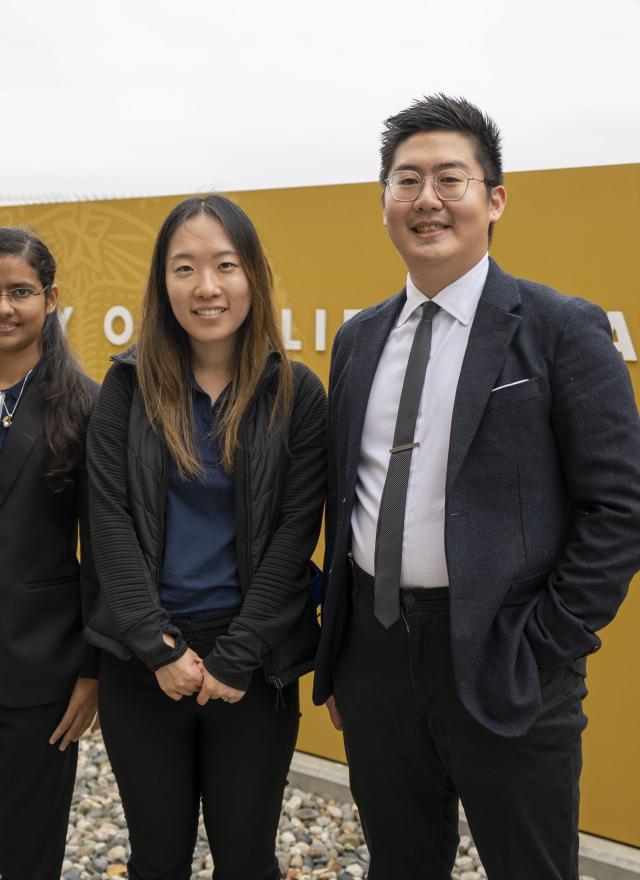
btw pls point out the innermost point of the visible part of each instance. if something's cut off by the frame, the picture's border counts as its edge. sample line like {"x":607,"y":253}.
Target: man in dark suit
{"x":483,"y":523}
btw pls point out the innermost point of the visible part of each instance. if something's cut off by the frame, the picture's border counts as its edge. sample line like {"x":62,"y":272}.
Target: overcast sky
{"x":147,"y":97}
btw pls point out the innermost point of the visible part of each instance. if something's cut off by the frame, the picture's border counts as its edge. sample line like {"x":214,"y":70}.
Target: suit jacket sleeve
{"x":595,"y":421}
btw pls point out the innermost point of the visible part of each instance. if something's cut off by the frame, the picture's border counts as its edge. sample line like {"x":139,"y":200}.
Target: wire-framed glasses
{"x":22,"y":293}
{"x":450,"y":185}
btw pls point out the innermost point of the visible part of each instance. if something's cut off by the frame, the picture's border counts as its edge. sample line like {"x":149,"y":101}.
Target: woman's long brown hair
{"x":163,"y":358}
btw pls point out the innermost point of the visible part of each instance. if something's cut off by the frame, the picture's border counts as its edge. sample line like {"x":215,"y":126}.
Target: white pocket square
{"x":510,"y":385}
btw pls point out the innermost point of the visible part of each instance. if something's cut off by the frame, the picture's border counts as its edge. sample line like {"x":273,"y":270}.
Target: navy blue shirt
{"x":200,"y":572}
{"x":11,"y":396}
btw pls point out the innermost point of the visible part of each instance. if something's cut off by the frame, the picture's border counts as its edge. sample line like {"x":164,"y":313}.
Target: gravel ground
{"x":318,"y":839}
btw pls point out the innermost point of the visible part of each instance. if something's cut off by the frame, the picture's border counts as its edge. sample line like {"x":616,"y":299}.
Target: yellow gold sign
{"x":331,"y":257}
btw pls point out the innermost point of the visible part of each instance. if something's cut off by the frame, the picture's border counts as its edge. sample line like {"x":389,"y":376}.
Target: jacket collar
{"x":494,"y":326}
{"x":495,"y":323}
{"x":369,"y":341}
{"x":127,"y":357}
{"x":21,"y":438}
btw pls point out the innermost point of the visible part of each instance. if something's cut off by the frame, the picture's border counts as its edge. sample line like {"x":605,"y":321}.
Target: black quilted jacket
{"x":280,"y":491}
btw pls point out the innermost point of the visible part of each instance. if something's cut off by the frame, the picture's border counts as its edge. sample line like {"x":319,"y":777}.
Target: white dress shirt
{"x":423,"y":558}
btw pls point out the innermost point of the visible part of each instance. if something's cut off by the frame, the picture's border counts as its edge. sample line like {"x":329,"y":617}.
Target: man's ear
{"x":497,"y":203}
{"x":384,"y":219}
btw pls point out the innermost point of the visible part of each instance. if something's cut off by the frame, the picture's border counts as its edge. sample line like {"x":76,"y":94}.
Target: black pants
{"x":167,"y":756}
{"x":36,"y":784}
{"x":413,"y":749}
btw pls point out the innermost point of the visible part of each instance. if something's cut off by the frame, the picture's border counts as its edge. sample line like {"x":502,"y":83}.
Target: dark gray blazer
{"x":542,"y":516}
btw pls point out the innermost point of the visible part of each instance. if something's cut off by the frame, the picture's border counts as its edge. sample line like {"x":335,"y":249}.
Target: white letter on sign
{"x":64,"y":315}
{"x":621,"y":336}
{"x":321,"y":329}
{"x":126,"y":333}
{"x":287,"y":324}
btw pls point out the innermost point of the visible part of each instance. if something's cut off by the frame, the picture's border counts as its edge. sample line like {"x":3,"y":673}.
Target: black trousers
{"x":413,"y":750}
{"x":168,"y":756}
{"x":36,"y":785}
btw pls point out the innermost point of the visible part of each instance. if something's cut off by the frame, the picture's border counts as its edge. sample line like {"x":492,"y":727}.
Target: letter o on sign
{"x":126,"y":333}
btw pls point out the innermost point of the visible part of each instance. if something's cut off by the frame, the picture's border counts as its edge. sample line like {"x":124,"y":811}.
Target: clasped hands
{"x":188,"y":675}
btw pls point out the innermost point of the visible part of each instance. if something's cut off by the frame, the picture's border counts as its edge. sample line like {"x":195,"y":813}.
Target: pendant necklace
{"x":7,"y":418}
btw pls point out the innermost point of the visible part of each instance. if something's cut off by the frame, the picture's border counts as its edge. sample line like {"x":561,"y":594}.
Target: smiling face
{"x":21,"y":321}
{"x":440,"y":241}
{"x":207,"y":286}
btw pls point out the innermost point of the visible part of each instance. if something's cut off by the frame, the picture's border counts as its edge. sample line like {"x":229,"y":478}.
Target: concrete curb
{"x":599,"y":858}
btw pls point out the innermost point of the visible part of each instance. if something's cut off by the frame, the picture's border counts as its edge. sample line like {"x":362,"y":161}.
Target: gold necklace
{"x":7,"y":419}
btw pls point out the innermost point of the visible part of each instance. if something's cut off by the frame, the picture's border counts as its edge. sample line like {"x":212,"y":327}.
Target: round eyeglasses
{"x":450,"y":185}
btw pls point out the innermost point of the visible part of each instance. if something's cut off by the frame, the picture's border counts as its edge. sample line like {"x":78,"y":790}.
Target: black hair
{"x":440,"y":112}
{"x":64,"y":390}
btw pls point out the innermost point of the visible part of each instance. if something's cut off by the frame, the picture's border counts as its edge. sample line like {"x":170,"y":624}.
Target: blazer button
{"x":344,"y":501}
{"x":409,"y":599}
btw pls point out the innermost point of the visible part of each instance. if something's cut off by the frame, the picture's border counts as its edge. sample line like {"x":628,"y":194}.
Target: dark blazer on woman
{"x":45,"y":593}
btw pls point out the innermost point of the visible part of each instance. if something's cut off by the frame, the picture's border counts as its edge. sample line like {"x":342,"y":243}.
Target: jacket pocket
{"x":523,"y":591}
{"x":51,"y":583}
{"x":295,"y":655}
{"x":517,"y":392}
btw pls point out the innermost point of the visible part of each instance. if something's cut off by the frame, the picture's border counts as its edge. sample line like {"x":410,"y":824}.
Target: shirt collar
{"x":201,"y":395}
{"x":459,"y":299}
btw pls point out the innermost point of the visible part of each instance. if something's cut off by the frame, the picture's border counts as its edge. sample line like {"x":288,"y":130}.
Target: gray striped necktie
{"x":390,"y":531}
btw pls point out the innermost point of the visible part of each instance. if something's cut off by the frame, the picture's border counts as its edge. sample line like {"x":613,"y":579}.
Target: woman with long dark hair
{"x":48,"y":679}
{"x":207,"y":470}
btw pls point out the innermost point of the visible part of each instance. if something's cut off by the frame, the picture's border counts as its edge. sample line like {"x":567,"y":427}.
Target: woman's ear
{"x":52,"y":298}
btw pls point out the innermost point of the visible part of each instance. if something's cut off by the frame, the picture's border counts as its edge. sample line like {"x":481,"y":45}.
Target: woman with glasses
{"x":48,"y":680}
{"x":207,"y":473}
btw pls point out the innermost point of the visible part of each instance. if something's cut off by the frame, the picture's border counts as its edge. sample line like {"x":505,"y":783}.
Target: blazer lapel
{"x":369,"y":342}
{"x":493,"y":328}
{"x":20,"y":440}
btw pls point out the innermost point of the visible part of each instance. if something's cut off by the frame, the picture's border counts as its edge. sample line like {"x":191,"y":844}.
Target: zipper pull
{"x":277,"y":683}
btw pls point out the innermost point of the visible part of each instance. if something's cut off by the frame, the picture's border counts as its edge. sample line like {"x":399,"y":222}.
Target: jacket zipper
{"x":245,"y":569}
{"x":160,"y":555}
{"x":244,"y":560}
{"x":275,"y":680}
{"x":244,"y":564}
